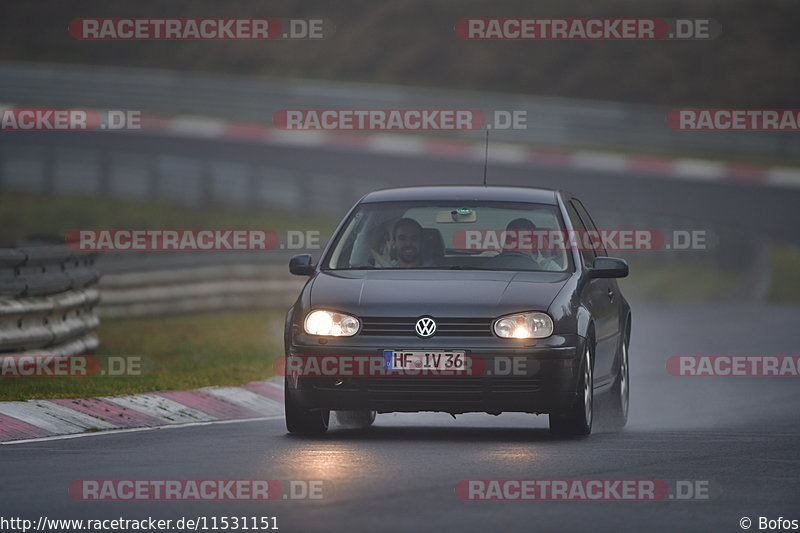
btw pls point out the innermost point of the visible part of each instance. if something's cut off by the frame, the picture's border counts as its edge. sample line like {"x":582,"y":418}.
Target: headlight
{"x":533,"y":325}
{"x":329,"y":323}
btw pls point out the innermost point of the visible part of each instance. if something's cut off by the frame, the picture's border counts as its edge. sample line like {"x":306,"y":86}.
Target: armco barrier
{"x":47,"y":301}
{"x":551,"y":122}
{"x":197,"y":289}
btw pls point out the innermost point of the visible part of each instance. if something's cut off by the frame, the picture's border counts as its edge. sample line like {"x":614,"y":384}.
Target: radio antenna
{"x":486,"y":157}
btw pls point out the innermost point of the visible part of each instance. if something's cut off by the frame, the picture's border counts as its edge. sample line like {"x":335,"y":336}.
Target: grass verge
{"x":785,"y":281}
{"x":182,"y":352}
{"x":677,"y":283}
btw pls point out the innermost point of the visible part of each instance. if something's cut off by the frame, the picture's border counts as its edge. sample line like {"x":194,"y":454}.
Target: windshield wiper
{"x":456,"y":251}
{"x":466,"y":267}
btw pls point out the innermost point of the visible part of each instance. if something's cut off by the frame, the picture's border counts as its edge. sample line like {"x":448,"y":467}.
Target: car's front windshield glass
{"x":457,"y":235}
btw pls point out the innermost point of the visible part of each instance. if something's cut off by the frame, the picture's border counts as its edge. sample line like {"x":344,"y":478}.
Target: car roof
{"x":465,"y":192}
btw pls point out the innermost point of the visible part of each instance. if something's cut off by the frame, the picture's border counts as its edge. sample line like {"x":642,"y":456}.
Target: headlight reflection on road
{"x":334,"y":462}
{"x":511,"y":454}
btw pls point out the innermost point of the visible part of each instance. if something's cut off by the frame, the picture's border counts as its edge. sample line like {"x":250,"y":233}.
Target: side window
{"x":587,"y":221}
{"x":578,"y":225}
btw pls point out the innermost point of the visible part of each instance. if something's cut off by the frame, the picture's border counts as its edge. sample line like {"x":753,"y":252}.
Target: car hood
{"x":461,"y":293}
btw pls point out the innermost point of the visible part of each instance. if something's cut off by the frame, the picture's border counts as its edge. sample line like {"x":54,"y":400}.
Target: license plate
{"x":424,"y":360}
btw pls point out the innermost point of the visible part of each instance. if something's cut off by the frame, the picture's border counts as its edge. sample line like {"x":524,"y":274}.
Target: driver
{"x":406,"y":243}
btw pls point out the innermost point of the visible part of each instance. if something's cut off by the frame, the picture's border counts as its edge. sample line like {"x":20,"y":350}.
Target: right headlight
{"x":532,"y":325}
{"x":330,"y":323}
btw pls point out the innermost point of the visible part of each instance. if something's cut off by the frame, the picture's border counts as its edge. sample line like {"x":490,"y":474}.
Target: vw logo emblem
{"x":425,"y":327}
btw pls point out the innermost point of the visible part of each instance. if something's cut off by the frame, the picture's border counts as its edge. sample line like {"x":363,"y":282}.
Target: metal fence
{"x":197,"y":289}
{"x":52,"y":302}
{"x":52,"y":297}
{"x":86,"y":167}
{"x":48,"y":301}
{"x":552,"y":122}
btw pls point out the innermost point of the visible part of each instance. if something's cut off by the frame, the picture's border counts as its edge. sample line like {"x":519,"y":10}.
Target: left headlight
{"x":330,"y":323}
{"x":533,"y":325}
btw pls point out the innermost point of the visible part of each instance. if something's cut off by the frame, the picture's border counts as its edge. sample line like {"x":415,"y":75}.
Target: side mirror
{"x":608,"y":267}
{"x":300,"y":265}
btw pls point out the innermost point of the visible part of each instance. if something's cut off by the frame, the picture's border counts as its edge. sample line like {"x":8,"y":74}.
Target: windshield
{"x":458,"y":235}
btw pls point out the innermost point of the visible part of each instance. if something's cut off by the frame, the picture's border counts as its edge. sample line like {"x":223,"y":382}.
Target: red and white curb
{"x":413,"y":145}
{"x":37,"y":419}
{"x":410,"y":144}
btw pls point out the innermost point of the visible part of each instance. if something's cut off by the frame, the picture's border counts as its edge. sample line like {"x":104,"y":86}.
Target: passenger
{"x":512,"y":252}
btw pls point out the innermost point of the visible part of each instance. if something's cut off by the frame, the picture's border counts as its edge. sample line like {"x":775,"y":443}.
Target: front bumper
{"x":529,"y":376}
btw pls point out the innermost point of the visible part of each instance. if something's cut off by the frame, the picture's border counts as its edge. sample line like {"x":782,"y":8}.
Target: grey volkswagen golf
{"x":459,"y":299}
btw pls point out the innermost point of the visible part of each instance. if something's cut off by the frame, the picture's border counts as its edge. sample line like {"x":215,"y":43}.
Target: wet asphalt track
{"x":739,"y":434}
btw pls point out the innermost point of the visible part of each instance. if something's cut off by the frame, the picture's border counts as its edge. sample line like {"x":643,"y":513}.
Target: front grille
{"x":445,"y":327}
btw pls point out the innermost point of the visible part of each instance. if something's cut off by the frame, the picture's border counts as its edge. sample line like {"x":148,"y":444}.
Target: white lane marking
{"x":277,"y":386}
{"x":52,"y":417}
{"x":298,"y":137}
{"x":164,"y":409}
{"x":784,"y":176}
{"x":395,"y":144}
{"x":587,"y":159}
{"x":246,"y":398}
{"x":196,"y":126}
{"x":502,"y":153}
{"x":74,"y":416}
{"x":133,"y":430}
{"x":699,"y":169}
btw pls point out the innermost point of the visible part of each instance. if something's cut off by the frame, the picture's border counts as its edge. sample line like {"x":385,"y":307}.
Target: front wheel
{"x":619,"y":397}
{"x":577,"y":420}
{"x":301,"y":421}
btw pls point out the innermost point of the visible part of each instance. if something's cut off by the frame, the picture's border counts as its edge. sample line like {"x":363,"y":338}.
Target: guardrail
{"x":198,"y":289}
{"x":203,"y":178}
{"x":552,"y":122}
{"x":51,"y":297}
{"x":47,"y":301}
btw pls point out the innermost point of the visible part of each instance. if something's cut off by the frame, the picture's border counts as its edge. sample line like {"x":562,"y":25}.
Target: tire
{"x":616,"y":414}
{"x":577,"y":420}
{"x":301,"y":421}
{"x":356,"y":419}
